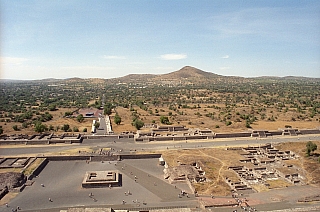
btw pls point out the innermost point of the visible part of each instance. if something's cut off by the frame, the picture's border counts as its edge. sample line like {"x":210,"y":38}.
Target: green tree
{"x":25,"y":124}
{"x":51,"y":128}
{"x":117,"y":119}
{"x":75,"y":129}
{"x":84,"y":130}
{"x":39,"y":127}
{"x":138,"y":124}
{"x":248,"y":124}
{"x":65,"y":127}
{"x":1,"y":130}
{"x":52,"y":107}
{"x":15,"y":127}
{"x":311,"y":147}
{"x":228,"y":123}
{"x":68,"y":113}
{"x":164,"y":120}
{"x":107,"y":111}
{"x":80,"y":118}
{"x":97,"y":125}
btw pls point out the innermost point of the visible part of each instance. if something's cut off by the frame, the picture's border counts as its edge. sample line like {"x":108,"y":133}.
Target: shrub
{"x":228,"y":123}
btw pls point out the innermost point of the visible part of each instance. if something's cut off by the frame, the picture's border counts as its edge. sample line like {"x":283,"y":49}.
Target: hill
{"x":188,"y":72}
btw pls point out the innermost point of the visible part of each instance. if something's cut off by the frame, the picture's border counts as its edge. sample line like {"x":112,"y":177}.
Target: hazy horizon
{"x":109,"y":39}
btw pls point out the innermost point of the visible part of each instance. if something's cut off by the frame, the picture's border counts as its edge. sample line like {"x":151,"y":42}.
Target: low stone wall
{"x":139,"y":156}
{"x":179,"y":138}
{"x":196,"y":137}
{"x":272,"y":133}
{"x":37,"y":171}
{"x":306,"y":132}
{"x":126,"y":136}
{"x":12,"y":142}
{"x":100,"y":136}
{"x":3,"y":192}
{"x":165,"y":138}
{"x":139,"y":139}
{"x":62,"y":158}
{"x":104,"y":158}
{"x":232,"y":135}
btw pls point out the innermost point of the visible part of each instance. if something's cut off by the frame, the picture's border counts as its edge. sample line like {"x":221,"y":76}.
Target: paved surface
{"x":62,"y":184}
{"x":102,"y":130}
{"x":128,"y":145}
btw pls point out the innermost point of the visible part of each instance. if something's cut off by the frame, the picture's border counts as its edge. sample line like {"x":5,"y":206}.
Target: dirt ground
{"x":191,"y":120}
{"x":188,"y":117}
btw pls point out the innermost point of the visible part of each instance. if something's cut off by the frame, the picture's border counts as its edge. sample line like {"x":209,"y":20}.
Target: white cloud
{"x":225,"y":57}
{"x":113,"y":57}
{"x":224,"y":68}
{"x":12,"y":60}
{"x":173,"y":56}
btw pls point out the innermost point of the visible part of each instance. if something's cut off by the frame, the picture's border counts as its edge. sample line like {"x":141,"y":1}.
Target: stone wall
{"x":232,"y":135}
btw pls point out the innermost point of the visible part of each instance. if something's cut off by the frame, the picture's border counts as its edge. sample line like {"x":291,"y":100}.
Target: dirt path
{"x":215,"y":158}
{"x":219,"y":173}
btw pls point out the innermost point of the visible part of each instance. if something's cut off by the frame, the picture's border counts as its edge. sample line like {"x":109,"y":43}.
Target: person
{"x":7,"y":205}
{"x":50,"y":200}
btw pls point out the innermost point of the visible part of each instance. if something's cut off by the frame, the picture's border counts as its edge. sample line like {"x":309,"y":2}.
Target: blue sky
{"x":112,"y":38}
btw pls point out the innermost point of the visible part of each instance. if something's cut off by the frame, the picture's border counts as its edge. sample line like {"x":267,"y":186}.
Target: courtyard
{"x":59,"y":186}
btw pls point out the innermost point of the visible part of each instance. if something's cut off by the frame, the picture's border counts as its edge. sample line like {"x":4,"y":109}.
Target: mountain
{"x":188,"y":72}
{"x":186,"y":75}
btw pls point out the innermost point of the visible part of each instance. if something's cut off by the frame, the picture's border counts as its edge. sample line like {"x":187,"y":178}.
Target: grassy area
{"x":33,"y":166}
{"x":279,"y":183}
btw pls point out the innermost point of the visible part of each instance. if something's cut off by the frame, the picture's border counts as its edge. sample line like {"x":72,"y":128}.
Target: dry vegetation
{"x":57,"y":120}
{"x":192,"y":119}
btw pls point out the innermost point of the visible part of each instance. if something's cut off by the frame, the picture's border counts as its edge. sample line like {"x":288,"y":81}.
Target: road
{"x":129,"y":145}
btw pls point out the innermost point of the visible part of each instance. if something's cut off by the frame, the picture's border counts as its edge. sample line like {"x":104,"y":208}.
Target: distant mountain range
{"x":186,"y":75}
{"x":193,"y":75}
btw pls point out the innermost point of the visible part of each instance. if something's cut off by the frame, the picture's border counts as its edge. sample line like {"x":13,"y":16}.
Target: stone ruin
{"x":101,"y":179}
{"x":10,"y":181}
{"x":185,"y":172}
{"x":264,"y":163}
